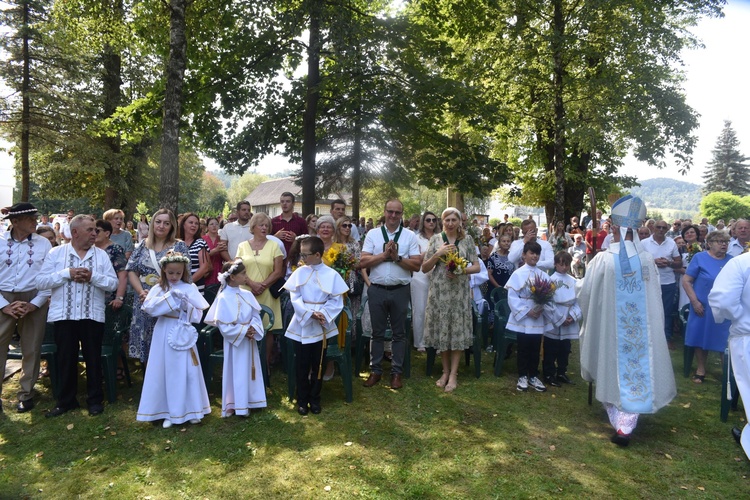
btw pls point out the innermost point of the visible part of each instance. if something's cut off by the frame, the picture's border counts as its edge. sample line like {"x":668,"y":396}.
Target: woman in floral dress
{"x":143,"y":273}
{"x":448,"y":322}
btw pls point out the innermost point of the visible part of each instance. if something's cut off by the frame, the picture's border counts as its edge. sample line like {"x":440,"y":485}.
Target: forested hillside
{"x":670,"y":194}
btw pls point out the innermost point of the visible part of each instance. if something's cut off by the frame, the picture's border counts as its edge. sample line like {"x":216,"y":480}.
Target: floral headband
{"x":173,"y":256}
{"x":223,"y":277}
{"x":303,"y":237}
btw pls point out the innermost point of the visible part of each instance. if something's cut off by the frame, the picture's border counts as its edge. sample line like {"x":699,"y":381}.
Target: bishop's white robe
{"x":597,"y":297}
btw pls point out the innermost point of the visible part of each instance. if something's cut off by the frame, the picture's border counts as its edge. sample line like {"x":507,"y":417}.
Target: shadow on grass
{"x":484,"y":440}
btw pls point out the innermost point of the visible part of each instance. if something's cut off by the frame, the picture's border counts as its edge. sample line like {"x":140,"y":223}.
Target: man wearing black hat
{"x":23,"y":307}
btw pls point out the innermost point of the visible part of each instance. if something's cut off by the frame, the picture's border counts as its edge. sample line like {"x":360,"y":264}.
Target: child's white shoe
{"x":195,"y":421}
{"x":166,"y":424}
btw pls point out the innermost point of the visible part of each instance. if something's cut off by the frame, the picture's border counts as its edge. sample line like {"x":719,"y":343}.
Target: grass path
{"x":483,"y":441}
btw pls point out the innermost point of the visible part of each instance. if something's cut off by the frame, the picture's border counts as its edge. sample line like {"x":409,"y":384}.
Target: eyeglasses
{"x":393,"y":212}
{"x":662,"y":227}
{"x":346,"y":224}
{"x":97,"y":230}
{"x":430,"y":219}
{"x":304,"y":256}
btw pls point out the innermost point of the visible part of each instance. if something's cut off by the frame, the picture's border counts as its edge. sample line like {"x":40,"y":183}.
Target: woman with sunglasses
{"x":342,"y":236}
{"x":429,"y":225}
{"x":117,"y":257}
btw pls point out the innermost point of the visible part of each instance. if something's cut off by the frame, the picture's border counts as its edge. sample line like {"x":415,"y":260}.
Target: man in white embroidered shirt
{"x":79,"y":275}
{"x":23,"y":308}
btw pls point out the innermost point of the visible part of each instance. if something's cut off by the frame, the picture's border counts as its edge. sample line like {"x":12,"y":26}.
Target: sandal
{"x":120,"y":374}
{"x":698,"y":379}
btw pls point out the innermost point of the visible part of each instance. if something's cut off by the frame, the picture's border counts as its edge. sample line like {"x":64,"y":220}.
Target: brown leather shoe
{"x":396,"y":381}
{"x":373,"y":379}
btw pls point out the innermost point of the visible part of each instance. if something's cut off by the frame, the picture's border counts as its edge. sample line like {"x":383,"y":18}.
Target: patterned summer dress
{"x":142,"y":326}
{"x":448,"y":321}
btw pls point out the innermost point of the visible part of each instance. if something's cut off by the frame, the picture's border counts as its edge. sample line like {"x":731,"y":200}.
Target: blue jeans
{"x":669,"y":302}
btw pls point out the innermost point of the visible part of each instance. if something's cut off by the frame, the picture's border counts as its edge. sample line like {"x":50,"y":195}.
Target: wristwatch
{"x":119,"y":298}
{"x":399,"y":259}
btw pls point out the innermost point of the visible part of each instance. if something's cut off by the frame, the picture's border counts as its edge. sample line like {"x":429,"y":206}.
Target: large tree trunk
{"x":309,"y":145}
{"x":25,"y":106}
{"x":169,"y":188}
{"x":559,"y":105}
{"x":356,"y":168}
{"x":111,"y":83}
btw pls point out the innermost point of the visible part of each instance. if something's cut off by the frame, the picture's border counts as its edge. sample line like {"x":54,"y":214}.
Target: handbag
{"x":277,"y":288}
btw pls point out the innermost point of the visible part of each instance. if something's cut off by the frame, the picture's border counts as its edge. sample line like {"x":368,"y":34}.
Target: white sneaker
{"x":166,"y":424}
{"x":537,"y":384}
{"x":195,"y":421}
{"x":523,"y":384}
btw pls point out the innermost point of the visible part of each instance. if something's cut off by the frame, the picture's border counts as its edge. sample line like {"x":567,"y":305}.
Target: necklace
{"x":11,"y":241}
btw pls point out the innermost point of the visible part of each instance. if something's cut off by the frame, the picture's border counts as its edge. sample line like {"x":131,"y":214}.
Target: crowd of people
{"x":558,"y":285}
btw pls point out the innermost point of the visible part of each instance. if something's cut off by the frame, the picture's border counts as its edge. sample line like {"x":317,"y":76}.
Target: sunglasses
{"x":430,"y":219}
{"x":97,"y":230}
{"x":393,"y":212}
{"x":662,"y":227}
{"x":346,"y":224}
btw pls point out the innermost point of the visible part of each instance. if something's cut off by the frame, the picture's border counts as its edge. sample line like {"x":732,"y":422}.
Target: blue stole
{"x":633,"y":360}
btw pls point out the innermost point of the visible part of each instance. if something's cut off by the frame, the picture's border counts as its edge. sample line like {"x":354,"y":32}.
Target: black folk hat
{"x":19,"y":209}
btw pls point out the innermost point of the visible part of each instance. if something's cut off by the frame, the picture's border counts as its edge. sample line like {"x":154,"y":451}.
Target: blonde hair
{"x":110,"y":214}
{"x":256,"y":219}
{"x":460,"y":228}
{"x":172,"y":231}
{"x":337,"y":236}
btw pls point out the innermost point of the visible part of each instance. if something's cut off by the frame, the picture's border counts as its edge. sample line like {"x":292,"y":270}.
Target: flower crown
{"x":303,"y":237}
{"x":223,"y":277}
{"x":173,"y":256}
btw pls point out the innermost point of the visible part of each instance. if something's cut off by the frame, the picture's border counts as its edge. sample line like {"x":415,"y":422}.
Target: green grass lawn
{"x":483,"y":441}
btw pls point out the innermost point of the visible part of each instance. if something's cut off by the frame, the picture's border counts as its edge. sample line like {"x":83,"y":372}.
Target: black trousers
{"x":68,"y":336}
{"x":528,"y":354}
{"x":556,"y":352}
{"x":307,"y":365}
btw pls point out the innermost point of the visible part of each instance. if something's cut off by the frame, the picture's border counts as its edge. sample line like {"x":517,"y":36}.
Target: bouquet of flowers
{"x":340,"y":259}
{"x":454,"y":263}
{"x":542,"y":290}
{"x":693,"y":249}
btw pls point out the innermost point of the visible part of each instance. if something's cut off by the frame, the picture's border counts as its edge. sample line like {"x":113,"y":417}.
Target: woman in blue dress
{"x":703,"y":333}
{"x":143,"y":273}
